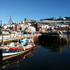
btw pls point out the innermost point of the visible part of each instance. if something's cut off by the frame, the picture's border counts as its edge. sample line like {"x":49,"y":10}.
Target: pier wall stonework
{"x":53,"y":39}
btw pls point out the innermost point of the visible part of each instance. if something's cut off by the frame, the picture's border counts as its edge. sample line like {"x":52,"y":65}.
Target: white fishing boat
{"x":6,"y":63}
{"x":17,"y":47}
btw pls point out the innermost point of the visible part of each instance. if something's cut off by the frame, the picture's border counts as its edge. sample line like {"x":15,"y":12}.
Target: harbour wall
{"x":53,"y":39}
{"x":39,"y":38}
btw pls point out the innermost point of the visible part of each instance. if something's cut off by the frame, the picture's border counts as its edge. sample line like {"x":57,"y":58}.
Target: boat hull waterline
{"x":14,"y":51}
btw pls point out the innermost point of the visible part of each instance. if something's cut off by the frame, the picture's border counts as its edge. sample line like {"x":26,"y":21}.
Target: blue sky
{"x":33,"y":9}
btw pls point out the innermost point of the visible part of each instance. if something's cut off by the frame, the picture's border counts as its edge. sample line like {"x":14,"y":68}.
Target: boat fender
{"x":24,"y":48}
{"x":16,"y":44}
{"x":33,"y":44}
{"x":32,"y":39}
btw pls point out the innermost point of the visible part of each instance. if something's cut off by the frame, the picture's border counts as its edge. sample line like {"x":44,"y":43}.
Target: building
{"x":30,"y":29}
{"x":41,"y":27}
{"x":62,"y":27}
{"x":48,"y":19}
{"x":67,"y":18}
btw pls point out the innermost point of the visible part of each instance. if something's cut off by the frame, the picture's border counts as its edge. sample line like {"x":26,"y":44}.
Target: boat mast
{"x":10,"y":21}
{"x":18,"y":32}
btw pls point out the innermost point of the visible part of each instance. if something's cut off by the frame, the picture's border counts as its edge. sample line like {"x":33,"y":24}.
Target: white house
{"x":30,"y":29}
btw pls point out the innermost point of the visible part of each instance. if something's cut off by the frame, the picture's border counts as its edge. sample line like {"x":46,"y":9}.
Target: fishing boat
{"x":17,"y":47}
{"x":15,"y":60}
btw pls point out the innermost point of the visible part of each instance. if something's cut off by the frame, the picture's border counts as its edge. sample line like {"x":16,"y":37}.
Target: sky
{"x":33,"y":9}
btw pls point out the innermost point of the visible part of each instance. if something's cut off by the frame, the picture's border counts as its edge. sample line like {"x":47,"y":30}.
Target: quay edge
{"x":62,"y":39}
{"x":6,"y":41}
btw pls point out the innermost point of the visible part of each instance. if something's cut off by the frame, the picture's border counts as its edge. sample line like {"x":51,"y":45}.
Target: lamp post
{"x":0,"y":24}
{"x":0,"y":31}
{"x":42,"y":27}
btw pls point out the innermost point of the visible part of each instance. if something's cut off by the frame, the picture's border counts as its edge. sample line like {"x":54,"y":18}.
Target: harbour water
{"x":42,"y":57}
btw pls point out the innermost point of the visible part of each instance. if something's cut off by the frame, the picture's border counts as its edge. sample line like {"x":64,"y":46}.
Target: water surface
{"x":42,"y":57}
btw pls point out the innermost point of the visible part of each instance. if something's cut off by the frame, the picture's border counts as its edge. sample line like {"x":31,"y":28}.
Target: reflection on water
{"x":55,"y":47}
{"x":69,"y":41}
{"x":16,"y":60}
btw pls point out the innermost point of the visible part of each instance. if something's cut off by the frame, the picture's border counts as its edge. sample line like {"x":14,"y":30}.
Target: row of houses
{"x":45,"y":27}
{"x":26,"y":27}
{"x":39,"y":26}
{"x":51,"y":24}
{"x":15,"y":26}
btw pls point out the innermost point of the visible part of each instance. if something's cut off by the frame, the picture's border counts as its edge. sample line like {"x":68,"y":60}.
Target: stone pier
{"x":53,"y":39}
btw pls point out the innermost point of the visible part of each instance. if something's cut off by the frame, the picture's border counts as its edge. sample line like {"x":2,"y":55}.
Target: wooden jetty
{"x":6,"y":41}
